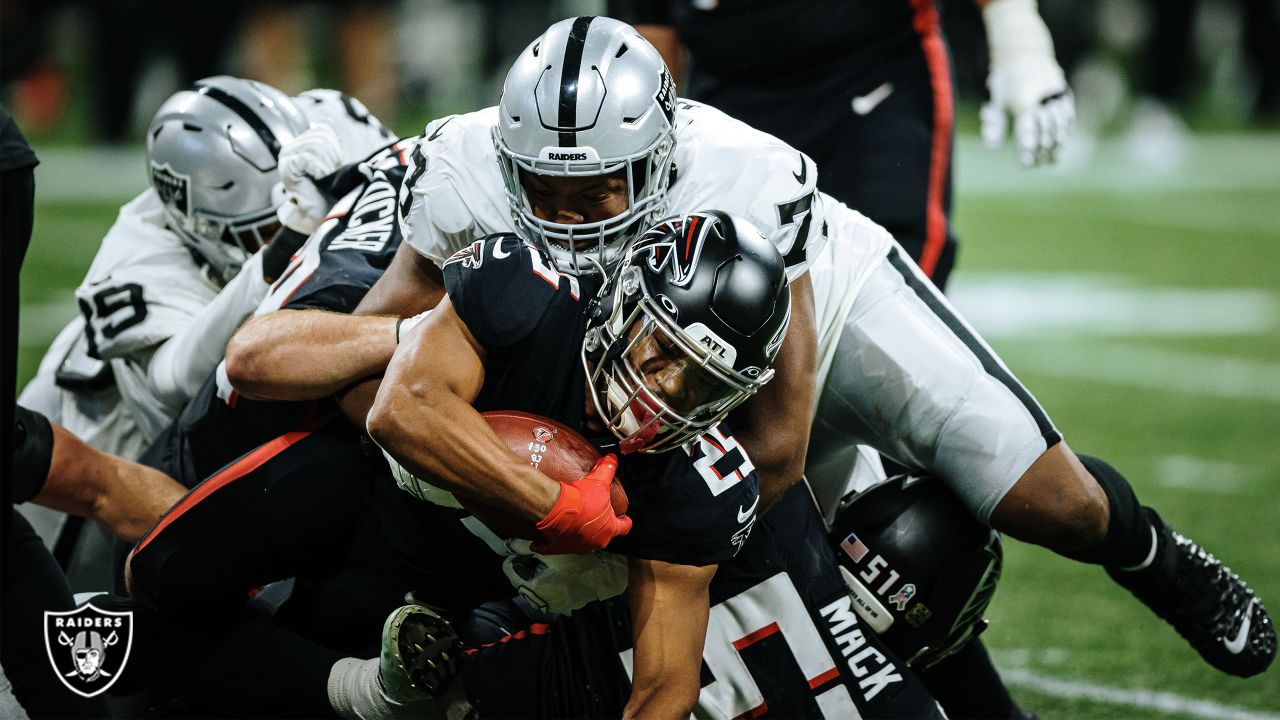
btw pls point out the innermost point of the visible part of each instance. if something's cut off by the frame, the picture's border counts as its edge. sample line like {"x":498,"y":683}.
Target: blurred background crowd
{"x":93,"y":72}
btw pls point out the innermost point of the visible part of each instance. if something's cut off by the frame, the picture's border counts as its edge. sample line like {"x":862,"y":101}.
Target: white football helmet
{"x":589,"y":97}
{"x":212,"y":154}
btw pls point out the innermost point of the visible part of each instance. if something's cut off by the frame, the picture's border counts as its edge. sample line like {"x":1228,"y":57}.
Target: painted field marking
{"x":1134,"y":697}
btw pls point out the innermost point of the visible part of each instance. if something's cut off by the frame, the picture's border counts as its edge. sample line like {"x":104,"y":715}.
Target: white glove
{"x":304,"y":207}
{"x":558,"y":584}
{"x":1025,"y":81}
{"x":312,"y":154}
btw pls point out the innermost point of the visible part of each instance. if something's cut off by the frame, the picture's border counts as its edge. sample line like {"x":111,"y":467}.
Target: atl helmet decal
{"x":173,"y":188}
{"x":676,"y":243}
{"x":97,"y":646}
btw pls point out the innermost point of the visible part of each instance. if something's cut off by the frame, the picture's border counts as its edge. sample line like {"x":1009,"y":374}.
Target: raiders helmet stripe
{"x":246,"y":113}
{"x":569,"y":81}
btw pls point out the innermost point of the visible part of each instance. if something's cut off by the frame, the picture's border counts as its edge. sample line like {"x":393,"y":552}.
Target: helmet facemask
{"x":588,"y":98}
{"x":222,"y":243}
{"x":655,"y":385}
{"x":588,"y":248}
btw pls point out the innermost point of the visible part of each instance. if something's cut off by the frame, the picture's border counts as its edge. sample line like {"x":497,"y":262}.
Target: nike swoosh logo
{"x":863,"y":104}
{"x":744,"y":515}
{"x":436,"y":133}
{"x":498,"y":252}
{"x":804,"y":171}
{"x":1236,"y":644}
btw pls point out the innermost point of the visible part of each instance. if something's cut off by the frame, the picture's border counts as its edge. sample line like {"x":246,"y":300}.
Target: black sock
{"x":968,"y":687}
{"x":1130,"y":532}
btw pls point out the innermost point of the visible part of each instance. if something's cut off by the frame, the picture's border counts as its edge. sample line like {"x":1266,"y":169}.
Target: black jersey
{"x":773,"y":40}
{"x":693,"y":506}
{"x":783,"y":641}
{"x":333,"y":271}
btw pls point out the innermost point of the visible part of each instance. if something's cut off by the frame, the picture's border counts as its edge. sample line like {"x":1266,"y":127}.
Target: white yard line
{"x":1163,"y":702}
{"x":1156,"y":369}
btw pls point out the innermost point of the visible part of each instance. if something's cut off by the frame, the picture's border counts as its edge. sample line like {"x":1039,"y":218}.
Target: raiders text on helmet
{"x":211,"y":152}
{"x":590,"y":97}
{"x":706,"y":288}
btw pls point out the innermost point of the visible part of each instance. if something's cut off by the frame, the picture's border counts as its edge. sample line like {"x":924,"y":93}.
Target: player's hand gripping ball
{"x":556,"y":450}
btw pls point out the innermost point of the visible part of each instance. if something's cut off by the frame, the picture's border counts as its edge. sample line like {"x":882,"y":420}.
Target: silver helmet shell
{"x":212,"y":157}
{"x":590,"y":97}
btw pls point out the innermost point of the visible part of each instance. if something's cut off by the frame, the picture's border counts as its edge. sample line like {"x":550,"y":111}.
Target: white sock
{"x":356,"y":693}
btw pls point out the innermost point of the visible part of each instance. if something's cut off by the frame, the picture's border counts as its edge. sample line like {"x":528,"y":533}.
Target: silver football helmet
{"x":211,"y":151}
{"x":589,"y":97}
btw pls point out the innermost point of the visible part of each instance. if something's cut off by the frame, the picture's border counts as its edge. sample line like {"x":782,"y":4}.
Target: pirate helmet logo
{"x":88,"y":647}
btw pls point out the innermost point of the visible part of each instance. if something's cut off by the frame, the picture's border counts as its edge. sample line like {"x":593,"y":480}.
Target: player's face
{"x":670,"y":374}
{"x":576,"y":200}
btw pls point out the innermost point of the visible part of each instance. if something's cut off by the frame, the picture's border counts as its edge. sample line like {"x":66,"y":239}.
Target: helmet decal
{"x":173,"y":188}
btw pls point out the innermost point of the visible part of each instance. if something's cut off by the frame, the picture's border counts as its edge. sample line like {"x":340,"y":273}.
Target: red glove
{"x":583,"y":520}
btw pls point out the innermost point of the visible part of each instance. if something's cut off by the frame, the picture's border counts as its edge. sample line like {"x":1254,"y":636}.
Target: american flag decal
{"x":854,"y":547}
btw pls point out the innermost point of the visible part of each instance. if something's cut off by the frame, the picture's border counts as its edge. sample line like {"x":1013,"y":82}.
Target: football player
{"x":586,"y":150}
{"x":865,"y":89}
{"x":636,"y":353}
{"x":349,"y":251}
{"x":165,"y":290}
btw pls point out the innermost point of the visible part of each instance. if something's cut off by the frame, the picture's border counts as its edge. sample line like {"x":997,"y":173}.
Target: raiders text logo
{"x":88,"y":647}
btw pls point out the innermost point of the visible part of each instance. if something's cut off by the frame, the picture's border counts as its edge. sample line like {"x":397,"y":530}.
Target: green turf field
{"x":1143,"y":311}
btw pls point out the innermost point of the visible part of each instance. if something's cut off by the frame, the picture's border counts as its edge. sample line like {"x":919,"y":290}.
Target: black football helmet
{"x":921,"y":568}
{"x":706,"y":289}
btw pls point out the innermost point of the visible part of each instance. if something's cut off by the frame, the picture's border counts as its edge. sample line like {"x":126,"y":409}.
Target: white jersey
{"x":855,"y":243}
{"x":912,"y":379}
{"x":455,"y":194}
{"x":153,"y":325}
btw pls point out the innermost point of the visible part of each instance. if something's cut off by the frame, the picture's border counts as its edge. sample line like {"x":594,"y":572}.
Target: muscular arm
{"x":411,"y":284}
{"x":423,"y":417}
{"x":774,"y":424}
{"x":308,"y":354}
{"x":670,"y":605}
{"x":126,"y":497}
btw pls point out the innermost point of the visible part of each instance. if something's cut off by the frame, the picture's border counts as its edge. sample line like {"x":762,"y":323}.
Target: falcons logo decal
{"x":678,"y":243}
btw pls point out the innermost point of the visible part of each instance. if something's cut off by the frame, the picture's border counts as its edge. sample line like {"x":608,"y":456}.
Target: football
{"x":556,"y":450}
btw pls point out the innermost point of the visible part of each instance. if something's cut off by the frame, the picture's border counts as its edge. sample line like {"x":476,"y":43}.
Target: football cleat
{"x":1208,"y":605}
{"x":421,"y":655}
